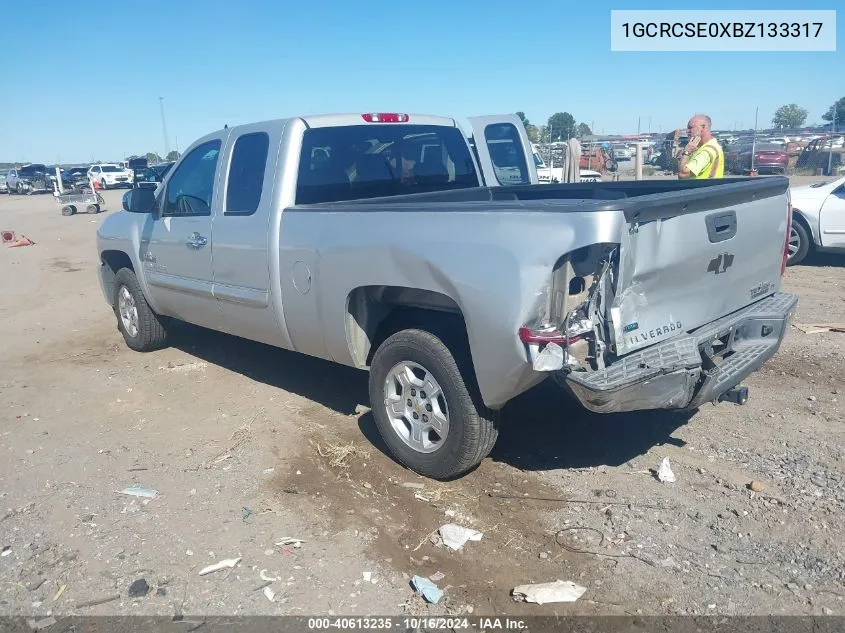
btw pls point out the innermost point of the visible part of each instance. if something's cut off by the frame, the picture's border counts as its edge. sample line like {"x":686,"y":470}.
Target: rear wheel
{"x":68,"y":210}
{"x":103,"y":184}
{"x":142,"y":328}
{"x":426,"y":406}
{"x":799,"y":244}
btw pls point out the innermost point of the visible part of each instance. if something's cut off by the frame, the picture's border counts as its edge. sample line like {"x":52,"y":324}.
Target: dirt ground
{"x":247,"y":446}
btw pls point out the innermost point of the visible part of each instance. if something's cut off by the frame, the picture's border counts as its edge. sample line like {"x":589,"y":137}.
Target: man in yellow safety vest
{"x":703,"y":156}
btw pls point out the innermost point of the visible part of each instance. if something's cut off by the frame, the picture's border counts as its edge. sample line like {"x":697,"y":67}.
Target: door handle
{"x":196,"y":240}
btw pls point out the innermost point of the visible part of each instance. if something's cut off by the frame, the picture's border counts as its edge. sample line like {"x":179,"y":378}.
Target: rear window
{"x":368,"y":161}
{"x":246,"y":173}
{"x":506,"y":153}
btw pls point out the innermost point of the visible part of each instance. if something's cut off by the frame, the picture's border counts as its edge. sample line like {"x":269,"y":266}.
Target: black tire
{"x":92,"y":208}
{"x":473,"y":428}
{"x":68,"y":210}
{"x":800,"y":232}
{"x":151,"y":334}
{"x":103,"y":184}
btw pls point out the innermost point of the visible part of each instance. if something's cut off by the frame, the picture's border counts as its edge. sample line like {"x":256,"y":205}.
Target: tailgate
{"x":690,"y":257}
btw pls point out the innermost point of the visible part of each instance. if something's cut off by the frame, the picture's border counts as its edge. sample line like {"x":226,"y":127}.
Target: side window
{"x":190,"y":188}
{"x":96,"y":170}
{"x":506,"y":152}
{"x":246,"y":173}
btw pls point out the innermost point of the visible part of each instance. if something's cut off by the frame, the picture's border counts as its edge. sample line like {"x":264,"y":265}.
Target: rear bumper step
{"x":705,"y":365}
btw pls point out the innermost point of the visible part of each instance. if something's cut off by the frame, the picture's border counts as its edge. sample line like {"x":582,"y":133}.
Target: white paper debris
{"x":557,"y":591}
{"x":289,"y":540}
{"x":455,"y":536}
{"x":228,"y":563}
{"x":138,"y":491}
{"x":368,"y":575}
{"x":550,"y":359}
{"x":270,"y":594}
{"x":266,"y":577}
{"x":664,"y":473}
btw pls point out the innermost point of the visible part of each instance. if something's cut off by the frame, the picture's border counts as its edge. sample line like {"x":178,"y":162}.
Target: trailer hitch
{"x":737,"y":395}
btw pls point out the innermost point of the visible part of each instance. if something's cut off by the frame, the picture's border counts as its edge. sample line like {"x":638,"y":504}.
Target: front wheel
{"x":431,"y":418}
{"x":142,"y":328}
{"x":103,"y":184}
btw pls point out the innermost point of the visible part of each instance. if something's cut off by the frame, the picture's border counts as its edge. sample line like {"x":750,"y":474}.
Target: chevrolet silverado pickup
{"x":395,"y":244}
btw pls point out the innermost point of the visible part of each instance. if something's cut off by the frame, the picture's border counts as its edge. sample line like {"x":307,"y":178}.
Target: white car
{"x":548,"y":175}
{"x":110,"y":175}
{"x":818,"y":219}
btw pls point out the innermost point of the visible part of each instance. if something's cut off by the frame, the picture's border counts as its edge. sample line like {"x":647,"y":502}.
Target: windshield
{"x":110,"y":168}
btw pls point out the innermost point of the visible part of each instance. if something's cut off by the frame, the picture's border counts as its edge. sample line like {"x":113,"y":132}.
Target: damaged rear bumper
{"x":690,"y":370}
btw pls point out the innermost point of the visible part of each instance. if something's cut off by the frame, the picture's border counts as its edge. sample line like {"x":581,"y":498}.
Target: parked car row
{"x":39,"y":178}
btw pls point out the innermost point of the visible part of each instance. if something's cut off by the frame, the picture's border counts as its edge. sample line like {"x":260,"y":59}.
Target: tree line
{"x":561,"y":126}
{"x":153,"y":158}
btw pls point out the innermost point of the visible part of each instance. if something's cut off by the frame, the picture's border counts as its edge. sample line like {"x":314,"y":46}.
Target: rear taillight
{"x":786,"y":240}
{"x":385,"y":117}
{"x":527,"y":335}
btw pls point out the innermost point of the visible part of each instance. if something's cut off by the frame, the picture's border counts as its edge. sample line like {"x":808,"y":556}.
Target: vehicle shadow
{"x":543,"y":429}
{"x":823,"y":259}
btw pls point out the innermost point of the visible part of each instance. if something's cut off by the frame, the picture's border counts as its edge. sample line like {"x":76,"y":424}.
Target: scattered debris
{"x":266,"y":577}
{"x":246,"y":513}
{"x":40,"y":625}
{"x":289,"y":540}
{"x":139,"y":588}
{"x":455,"y":536}
{"x":664,"y":473}
{"x":180,"y":366}
{"x":228,"y":563}
{"x":267,"y":471}
{"x":338,"y":454}
{"x":368,"y":576}
{"x":59,"y":592}
{"x":544,"y":593}
{"x":7,"y":549}
{"x":413,"y":484}
{"x":756,"y":486}
{"x":269,"y":594}
{"x":13,"y":243}
{"x":138,"y":491}
{"x":35,"y":584}
{"x":437,"y":576}
{"x":98,"y":601}
{"x":818,"y":328}
{"x":368,"y":485}
{"x":429,"y":591}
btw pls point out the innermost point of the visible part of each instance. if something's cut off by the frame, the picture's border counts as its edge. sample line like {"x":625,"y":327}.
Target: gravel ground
{"x":248,"y":445}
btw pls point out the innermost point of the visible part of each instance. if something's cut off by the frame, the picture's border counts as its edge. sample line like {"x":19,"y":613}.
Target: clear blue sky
{"x":91,"y":90}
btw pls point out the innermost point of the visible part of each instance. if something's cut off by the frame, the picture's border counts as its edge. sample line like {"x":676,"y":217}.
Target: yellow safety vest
{"x":717,"y":160}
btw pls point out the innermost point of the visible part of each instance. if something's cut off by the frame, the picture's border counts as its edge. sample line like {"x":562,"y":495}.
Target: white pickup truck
{"x":382,"y":241}
{"x":550,"y":175}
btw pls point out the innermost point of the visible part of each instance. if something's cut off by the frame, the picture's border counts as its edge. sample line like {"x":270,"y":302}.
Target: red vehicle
{"x":768,"y":159}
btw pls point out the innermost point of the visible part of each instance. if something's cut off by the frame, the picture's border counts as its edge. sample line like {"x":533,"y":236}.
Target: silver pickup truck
{"x":393,"y":243}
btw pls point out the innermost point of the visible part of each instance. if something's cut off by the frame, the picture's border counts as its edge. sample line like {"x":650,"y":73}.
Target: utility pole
{"x":164,"y":127}
{"x":830,"y":151}
{"x":754,"y":138}
{"x":638,"y":125}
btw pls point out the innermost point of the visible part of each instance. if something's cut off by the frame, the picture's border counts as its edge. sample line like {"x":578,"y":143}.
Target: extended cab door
{"x":503,"y":150}
{"x":176,"y":245}
{"x":832,"y":219}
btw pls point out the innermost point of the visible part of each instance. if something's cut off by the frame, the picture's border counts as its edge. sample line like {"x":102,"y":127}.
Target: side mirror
{"x":139,"y":200}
